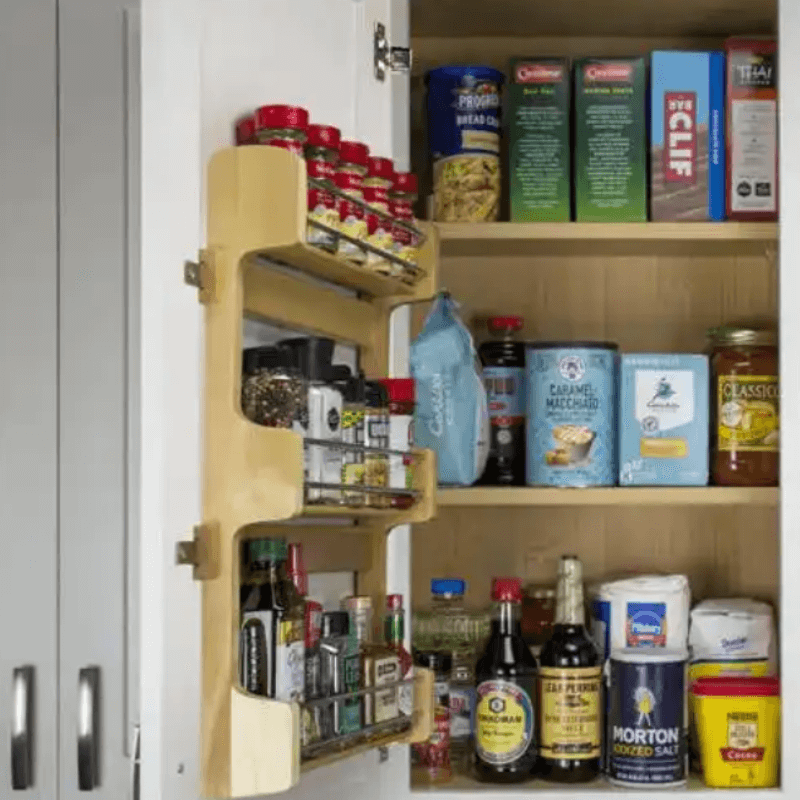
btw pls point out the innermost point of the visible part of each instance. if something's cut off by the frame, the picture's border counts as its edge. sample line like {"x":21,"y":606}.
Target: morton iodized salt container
{"x":572,"y":413}
{"x":646,"y":731}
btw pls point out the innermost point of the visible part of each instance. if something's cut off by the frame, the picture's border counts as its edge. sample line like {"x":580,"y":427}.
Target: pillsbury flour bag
{"x":451,"y":415}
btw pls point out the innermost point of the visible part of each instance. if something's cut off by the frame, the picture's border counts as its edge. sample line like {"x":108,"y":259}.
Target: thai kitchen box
{"x":687,"y":135}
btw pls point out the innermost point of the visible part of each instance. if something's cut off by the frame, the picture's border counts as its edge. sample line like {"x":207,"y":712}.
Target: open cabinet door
{"x":204,"y":64}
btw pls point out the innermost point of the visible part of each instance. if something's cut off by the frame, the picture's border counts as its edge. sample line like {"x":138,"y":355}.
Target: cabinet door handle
{"x":22,"y":729}
{"x":88,"y":728}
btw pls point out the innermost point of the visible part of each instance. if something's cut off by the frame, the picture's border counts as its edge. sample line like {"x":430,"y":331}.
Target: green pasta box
{"x":610,"y":140}
{"x":538,"y":114}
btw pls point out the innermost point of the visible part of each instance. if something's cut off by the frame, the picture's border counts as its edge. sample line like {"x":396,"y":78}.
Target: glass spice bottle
{"x":282,"y":126}
{"x":401,"y":437}
{"x":432,"y":759}
{"x":352,"y":217}
{"x":380,"y":176}
{"x":273,"y":393}
{"x":376,"y":435}
{"x":379,"y":231}
{"x":322,"y":157}
{"x":402,"y":197}
{"x":745,"y":407}
{"x":353,"y":424}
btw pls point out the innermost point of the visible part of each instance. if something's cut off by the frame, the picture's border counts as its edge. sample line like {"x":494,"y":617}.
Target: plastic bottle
{"x":504,"y":377}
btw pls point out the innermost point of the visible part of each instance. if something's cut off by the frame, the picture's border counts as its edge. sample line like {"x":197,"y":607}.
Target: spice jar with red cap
{"x":322,"y":157}
{"x":349,"y":178}
{"x":402,"y":197}
{"x":503,"y":359}
{"x":505,"y":680}
{"x":401,"y":436}
{"x":282,"y":126}
{"x":379,"y":230}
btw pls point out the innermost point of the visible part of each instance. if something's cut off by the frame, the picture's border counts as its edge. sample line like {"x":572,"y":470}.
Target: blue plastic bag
{"x":451,"y":414}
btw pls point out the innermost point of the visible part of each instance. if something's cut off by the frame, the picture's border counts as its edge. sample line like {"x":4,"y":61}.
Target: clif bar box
{"x":538,"y":114}
{"x":687,"y":136}
{"x":752,"y":129}
{"x":610,"y":140}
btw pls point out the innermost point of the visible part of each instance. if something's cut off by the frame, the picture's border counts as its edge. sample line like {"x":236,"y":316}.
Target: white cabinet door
{"x":204,"y":63}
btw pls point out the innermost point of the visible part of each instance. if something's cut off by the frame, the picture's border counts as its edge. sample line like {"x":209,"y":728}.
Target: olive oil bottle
{"x":505,"y":679}
{"x":569,"y":688}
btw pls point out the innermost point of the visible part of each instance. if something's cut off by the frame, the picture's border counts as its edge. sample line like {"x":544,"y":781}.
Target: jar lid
{"x":375,"y":394}
{"x":506,"y":590}
{"x":401,"y":390}
{"x":435,"y":660}
{"x":732,"y":335}
{"x":505,"y":323}
{"x":448,"y":586}
{"x":265,"y":357}
{"x":381,"y":168}
{"x":245,"y":130}
{"x":293,"y":117}
{"x":335,"y":623}
{"x":405,"y":182}
{"x":267,"y":549}
{"x":650,"y":655}
{"x":323,"y":136}
{"x":353,"y":153}
{"x":312,"y":356}
{"x":737,"y":686}
{"x":358,"y":603}
{"x":394,"y":602}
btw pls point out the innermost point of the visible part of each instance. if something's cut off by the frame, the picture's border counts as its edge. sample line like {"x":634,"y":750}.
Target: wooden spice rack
{"x":253,"y":475}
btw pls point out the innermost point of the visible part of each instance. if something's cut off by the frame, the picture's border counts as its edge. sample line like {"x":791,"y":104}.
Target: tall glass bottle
{"x":505,"y":677}
{"x":569,"y":688}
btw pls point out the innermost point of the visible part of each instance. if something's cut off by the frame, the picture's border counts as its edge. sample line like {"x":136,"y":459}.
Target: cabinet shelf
{"x":594,"y":238}
{"x":609,"y":496}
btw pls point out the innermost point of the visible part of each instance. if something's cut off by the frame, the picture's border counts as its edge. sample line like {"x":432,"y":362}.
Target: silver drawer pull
{"x":88,"y":729}
{"x":22,"y":730}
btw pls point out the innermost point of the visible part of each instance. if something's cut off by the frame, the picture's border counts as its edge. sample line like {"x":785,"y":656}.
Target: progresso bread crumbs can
{"x":646,"y":735}
{"x":571,"y":396}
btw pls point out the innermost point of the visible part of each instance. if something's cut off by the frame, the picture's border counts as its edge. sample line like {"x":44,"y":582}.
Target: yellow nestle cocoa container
{"x":738,"y":721}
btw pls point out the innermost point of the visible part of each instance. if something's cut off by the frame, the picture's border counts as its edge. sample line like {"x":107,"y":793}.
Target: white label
{"x":664,"y":399}
{"x":400,"y":438}
{"x":753,"y":166}
{"x":386,"y":703}
{"x":324,"y":422}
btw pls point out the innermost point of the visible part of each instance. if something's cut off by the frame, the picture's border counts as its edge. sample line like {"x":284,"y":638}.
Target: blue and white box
{"x":663,"y":420}
{"x":687,"y":136}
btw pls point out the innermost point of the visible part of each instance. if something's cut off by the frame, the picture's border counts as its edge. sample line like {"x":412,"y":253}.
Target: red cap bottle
{"x":296,"y":569}
{"x":507,"y":590}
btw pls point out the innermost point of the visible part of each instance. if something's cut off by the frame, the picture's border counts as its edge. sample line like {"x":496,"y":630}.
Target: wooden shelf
{"x":611,"y":496}
{"x":593,"y":238}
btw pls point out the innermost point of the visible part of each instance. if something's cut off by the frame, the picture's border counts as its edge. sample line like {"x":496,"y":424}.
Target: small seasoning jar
{"x":376,"y":434}
{"x":282,"y":126}
{"x":353,"y":410}
{"x":402,"y":197}
{"x":354,"y":159}
{"x":745,"y":407}
{"x":352,"y":219}
{"x":379,"y":230}
{"x":432,"y":758}
{"x":322,"y":156}
{"x":273,"y":394}
{"x":380,"y":176}
{"x":245,"y":130}
{"x":401,"y":436}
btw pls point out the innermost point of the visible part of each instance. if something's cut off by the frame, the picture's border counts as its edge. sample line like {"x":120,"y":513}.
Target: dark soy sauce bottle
{"x":505,"y":680}
{"x":503,"y":360}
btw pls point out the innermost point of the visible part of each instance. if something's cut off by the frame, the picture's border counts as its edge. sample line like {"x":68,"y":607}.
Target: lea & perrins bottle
{"x":505,"y":680}
{"x":569,"y":698}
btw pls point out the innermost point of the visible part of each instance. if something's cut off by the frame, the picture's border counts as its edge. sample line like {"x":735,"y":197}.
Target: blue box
{"x":687,"y":136}
{"x":663,"y":420}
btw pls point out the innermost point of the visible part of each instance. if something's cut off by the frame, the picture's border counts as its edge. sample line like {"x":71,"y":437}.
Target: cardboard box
{"x":538,"y":114}
{"x":687,"y":135}
{"x":752,"y":129}
{"x":663,"y":420}
{"x":610,"y":140}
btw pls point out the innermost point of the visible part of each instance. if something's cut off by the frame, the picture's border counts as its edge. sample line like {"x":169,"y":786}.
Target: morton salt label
{"x":504,"y":724}
{"x":646,"y":735}
{"x":687,"y":135}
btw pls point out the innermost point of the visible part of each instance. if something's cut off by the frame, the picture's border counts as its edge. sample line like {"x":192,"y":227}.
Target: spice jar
{"x":401,"y":436}
{"x":376,"y":435}
{"x":273,"y":393}
{"x":245,"y":130}
{"x":341,"y":672}
{"x":322,"y":156}
{"x":745,"y":429}
{"x":402,"y":197}
{"x":354,"y":159}
{"x":282,"y":126}
{"x":379,"y":230}
{"x":353,"y":410}
{"x":432,"y":758}
{"x":380,"y":176}
{"x":352,"y":219}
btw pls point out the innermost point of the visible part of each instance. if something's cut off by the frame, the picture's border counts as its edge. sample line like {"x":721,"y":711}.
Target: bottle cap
{"x":434,"y":660}
{"x":267,"y":550}
{"x":507,"y":590}
{"x":498,"y":324}
{"x":381,"y":168}
{"x":358,"y":603}
{"x":323,"y":136}
{"x":270,"y":117}
{"x":570,"y":567}
{"x":258,"y":358}
{"x":441,"y":586}
{"x":375,"y":394}
{"x":335,"y":623}
{"x":405,"y":183}
{"x":394,"y":602}
{"x":296,"y":569}
{"x":737,"y":686}
{"x":400,"y":390}
{"x":312,"y":356}
{"x":353,"y":153}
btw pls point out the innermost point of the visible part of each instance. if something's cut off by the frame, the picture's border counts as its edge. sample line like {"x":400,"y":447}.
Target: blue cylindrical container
{"x":572,"y":413}
{"x":647,"y":724}
{"x":464,"y":141}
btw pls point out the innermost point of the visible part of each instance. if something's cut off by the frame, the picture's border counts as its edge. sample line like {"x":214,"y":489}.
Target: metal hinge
{"x":200,"y":274}
{"x":196,"y":553}
{"x":388,"y":58}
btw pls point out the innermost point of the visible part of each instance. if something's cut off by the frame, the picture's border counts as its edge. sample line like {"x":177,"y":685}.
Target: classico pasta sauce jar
{"x":464,"y":139}
{"x":745,"y":407}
